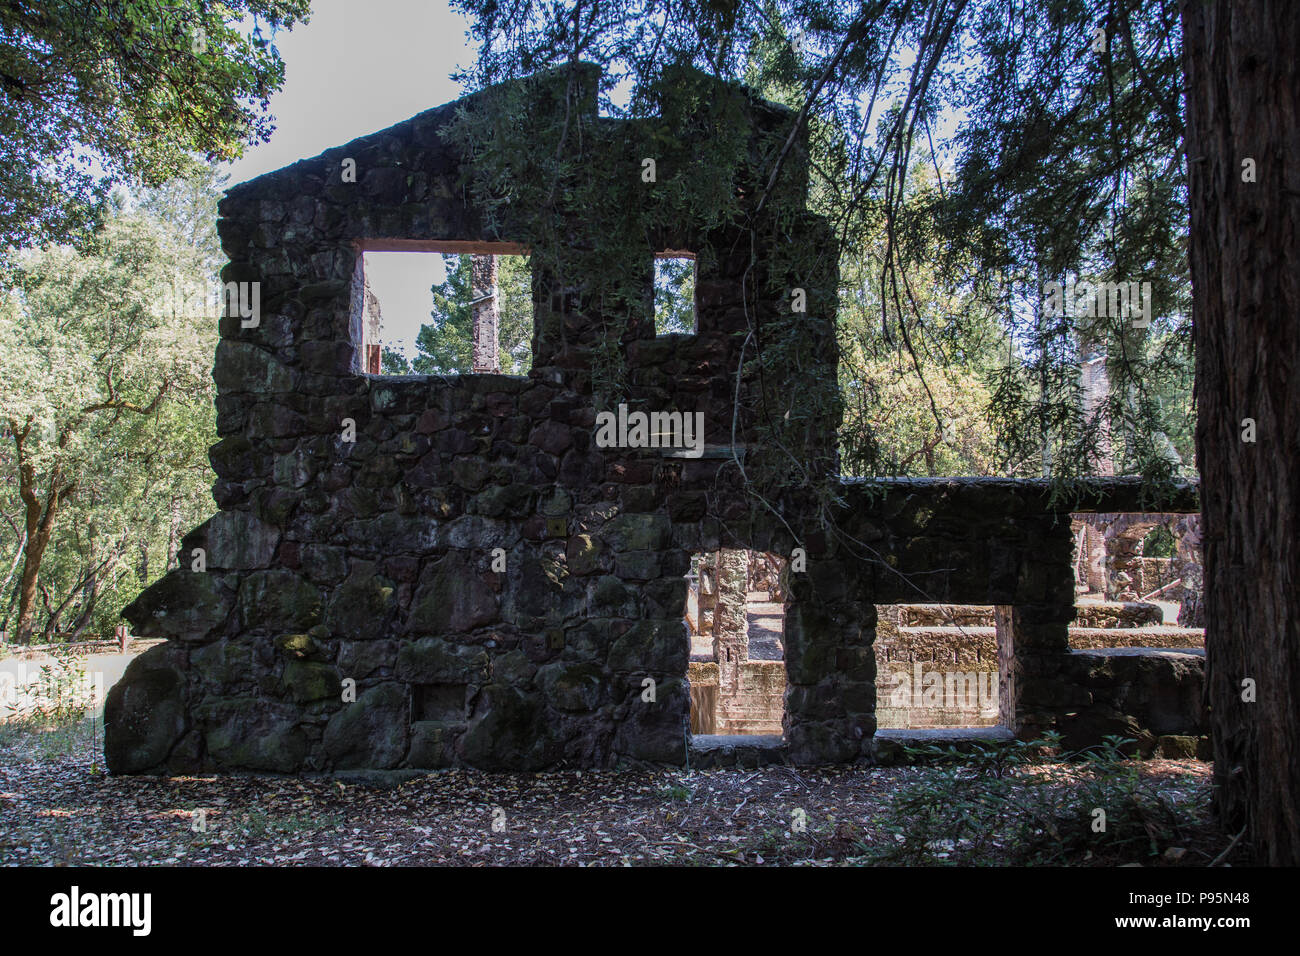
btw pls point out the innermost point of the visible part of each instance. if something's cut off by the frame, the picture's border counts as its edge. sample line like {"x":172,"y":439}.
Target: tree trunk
{"x":40,"y":528}
{"x":1243,"y":102}
{"x":89,"y":598}
{"x":13,"y":568}
{"x":483,"y":282}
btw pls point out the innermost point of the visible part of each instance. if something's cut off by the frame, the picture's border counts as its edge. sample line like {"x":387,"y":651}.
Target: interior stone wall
{"x":351,"y":611}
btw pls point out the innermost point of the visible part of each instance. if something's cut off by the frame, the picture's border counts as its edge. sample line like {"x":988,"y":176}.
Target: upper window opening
{"x":454,"y":313}
{"x":674,"y":294}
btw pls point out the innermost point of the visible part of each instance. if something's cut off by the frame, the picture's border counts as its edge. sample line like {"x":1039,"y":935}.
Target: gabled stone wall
{"x":352,"y":610}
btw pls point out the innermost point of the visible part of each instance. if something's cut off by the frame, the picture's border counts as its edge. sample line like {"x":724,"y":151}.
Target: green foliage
{"x":138,"y":86}
{"x":106,"y":409}
{"x":1025,"y":803}
{"x":445,"y":346}
{"x":61,"y":694}
{"x":1068,"y":162}
{"x":674,"y":294}
{"x":1159,"y":543}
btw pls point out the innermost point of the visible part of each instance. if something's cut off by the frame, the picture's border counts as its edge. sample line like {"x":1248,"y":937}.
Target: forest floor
{"x":57,"y":807}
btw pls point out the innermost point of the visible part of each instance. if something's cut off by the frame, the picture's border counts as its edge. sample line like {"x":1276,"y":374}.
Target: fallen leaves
{"x":55,"y":812}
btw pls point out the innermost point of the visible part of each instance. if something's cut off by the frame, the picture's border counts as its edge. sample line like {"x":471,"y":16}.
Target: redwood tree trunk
{"x":1242,"y":65}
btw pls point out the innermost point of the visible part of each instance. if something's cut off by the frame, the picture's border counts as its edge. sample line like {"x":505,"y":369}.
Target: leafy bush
{"x":1027,"y":803}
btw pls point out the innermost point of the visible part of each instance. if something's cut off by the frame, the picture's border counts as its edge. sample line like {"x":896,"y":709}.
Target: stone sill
{"x":937,"y":735}
{"x":736,"y":750}
{"x":1140,"y":651}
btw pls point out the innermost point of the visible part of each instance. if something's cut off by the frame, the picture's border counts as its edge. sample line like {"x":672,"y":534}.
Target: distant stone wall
{"x":937,"y":676}
{"x":756,"y":706}
{"x":1109,"y":556}
{"x":1151,"y":574}
{"x":923,"y":649}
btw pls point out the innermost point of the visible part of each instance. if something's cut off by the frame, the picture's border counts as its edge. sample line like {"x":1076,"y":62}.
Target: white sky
{"x":354,"y":69}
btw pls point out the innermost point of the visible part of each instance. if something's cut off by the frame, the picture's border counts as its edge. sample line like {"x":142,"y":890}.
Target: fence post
{"x":123,"y":636}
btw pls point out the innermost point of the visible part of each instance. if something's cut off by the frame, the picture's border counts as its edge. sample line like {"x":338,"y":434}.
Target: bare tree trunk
{"x":39,"y":523}
{"x":1243,"y":123}
{"x":52,"y":614}
{"x":13,"y":566}
{"x":89,"y":598}
{"x":483,"y":282}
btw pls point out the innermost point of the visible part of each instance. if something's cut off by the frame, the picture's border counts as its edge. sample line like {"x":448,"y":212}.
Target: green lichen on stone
{"x":181,"y":603}
{"x":308,"y":681}
{"x":509,"y":733}
{"x":452,"y":598}
{"x":572,"y":687}
{"x":296,"y":646}
{"x":371,"y":732}
{"x":279,"y":600}
{"x":144,"y":713}
{"x":251,"y":734}
{"x":584,"y":554}
{"x":432,"y":744}
{"x":223,"y":663}
{"x":651,"y":647}
{"x":638,"y":532}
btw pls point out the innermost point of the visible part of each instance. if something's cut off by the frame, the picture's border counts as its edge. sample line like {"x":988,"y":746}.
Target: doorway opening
{"x":735,"y":615}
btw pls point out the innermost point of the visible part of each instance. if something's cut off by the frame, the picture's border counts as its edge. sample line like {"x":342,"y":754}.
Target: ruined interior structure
{"x":417,"y":572}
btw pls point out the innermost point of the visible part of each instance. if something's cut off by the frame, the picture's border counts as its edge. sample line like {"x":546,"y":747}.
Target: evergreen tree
{"x":445,"y":346}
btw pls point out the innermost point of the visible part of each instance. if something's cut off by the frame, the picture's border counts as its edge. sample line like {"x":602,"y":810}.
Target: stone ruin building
{"x":351,"y":611}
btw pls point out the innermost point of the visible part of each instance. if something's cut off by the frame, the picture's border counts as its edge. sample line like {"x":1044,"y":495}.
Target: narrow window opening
{"x":441,"y":702}
{"x":674,"y":294}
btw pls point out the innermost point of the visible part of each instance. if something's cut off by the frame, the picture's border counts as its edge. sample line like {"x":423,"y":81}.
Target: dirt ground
{"x":58,"y":808}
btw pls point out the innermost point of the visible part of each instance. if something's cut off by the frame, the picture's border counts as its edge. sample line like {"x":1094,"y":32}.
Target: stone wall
{"x":960,"y":643}
{"x":420,"y":572}
{"x":1109,"y":556}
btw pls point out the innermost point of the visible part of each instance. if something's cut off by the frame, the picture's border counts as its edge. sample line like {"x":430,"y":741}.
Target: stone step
{"x":1162,"y":635}
{"x":977,"y":645}
{"x":1117,"y":614}
{"x":736,"y":750}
